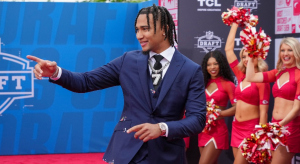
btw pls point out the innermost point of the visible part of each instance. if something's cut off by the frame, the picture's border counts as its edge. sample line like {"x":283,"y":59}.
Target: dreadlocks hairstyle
{"x":224,"y":69}
{"x":166,"y":21}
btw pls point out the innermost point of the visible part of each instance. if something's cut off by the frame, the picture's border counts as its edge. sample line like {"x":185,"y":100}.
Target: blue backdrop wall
{"x":38,"y":117}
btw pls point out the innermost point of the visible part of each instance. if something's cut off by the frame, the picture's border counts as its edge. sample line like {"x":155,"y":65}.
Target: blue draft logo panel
{"x":79,"y":37}
{"x":16,"y":81}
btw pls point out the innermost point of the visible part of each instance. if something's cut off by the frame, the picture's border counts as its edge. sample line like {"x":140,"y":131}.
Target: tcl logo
{"x":209,"y":3}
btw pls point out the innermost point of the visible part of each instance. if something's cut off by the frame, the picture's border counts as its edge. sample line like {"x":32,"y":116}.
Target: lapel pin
{"x":152,"y":91}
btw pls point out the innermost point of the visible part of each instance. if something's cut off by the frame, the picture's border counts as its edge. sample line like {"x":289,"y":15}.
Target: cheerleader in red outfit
{"x":220,"y":87}
{"x":286,"y":92}
{"x":252,"y":98}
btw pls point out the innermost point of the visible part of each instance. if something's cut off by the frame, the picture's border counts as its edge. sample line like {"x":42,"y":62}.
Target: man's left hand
{"x":145,"y":131}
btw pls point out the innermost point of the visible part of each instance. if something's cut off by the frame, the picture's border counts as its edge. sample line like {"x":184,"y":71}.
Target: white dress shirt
{"x":167,"y":54}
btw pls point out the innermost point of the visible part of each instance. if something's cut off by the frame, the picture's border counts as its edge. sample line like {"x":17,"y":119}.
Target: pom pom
{"x":252,"y":20}
{"x":239,"y":16}
{"x":256,"y":148}
{"x":257,"y":44}
{"x":212,"y":113}
{"x":276,"y":133}
{"x":231,"y":16}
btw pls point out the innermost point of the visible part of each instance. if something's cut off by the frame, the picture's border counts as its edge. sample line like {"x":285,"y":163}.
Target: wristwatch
{"x":163,"y":129}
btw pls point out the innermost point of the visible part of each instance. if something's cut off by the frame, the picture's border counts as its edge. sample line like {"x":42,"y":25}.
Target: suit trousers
{"x":141,"y":157}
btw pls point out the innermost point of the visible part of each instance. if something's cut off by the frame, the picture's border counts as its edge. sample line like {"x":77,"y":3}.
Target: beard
{"x":146,"y":52}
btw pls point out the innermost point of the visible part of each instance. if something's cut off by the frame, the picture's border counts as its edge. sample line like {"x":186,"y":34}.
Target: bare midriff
{"x":281,"y":108}
{"x":245,"y":111}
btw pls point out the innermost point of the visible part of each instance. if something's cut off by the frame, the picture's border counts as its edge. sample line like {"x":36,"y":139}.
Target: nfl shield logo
{"x":209,"y":35}
{"x":208,"y":42}
{"x":16,"y":80}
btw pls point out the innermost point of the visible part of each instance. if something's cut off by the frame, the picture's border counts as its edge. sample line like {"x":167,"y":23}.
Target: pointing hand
{"x":43,"y":68}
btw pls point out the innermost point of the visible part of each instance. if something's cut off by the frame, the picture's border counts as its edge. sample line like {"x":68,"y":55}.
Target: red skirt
{"x":187,"y":142}
{"x":241,"y":130}
{"x":186,"y":139}
{"x":293,"y":140}
{"x":218,"y":135}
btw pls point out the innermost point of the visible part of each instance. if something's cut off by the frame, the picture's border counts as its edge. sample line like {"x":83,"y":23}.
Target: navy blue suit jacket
{"x":182,"y":89}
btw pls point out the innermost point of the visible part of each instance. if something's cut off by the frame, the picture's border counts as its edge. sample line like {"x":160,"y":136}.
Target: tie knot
{"x":158,"y":58}
{"x":157,"y":64}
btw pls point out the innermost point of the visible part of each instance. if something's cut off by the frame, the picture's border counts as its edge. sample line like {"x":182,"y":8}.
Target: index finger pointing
{"x":36,"y":59}
{"x":134,"y":129}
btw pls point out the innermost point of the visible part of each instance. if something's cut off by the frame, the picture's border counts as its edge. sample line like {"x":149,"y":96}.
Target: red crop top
{"x":254,"y":93}
{"x":224,"y":92}
{"x":290,"y":89}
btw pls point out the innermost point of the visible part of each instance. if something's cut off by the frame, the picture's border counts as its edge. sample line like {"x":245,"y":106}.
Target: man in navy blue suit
{"x":159,"y":85}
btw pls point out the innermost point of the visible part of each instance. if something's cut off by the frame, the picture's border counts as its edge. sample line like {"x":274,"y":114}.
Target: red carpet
{"x":84,"y":158}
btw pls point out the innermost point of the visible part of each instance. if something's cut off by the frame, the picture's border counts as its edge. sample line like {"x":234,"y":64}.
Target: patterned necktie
{"x":157,"y":77}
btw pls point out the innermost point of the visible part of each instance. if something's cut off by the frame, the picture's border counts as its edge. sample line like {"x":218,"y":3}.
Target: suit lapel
{"x":174,"y":68}
{"x":142,"y":69}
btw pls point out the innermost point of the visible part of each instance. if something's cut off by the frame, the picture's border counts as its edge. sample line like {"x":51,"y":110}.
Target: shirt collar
{"x":167,"y":54}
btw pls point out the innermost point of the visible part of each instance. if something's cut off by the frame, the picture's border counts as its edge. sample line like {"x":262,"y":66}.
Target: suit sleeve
{"x":195,"y":109}
{"x":102,"y":77}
